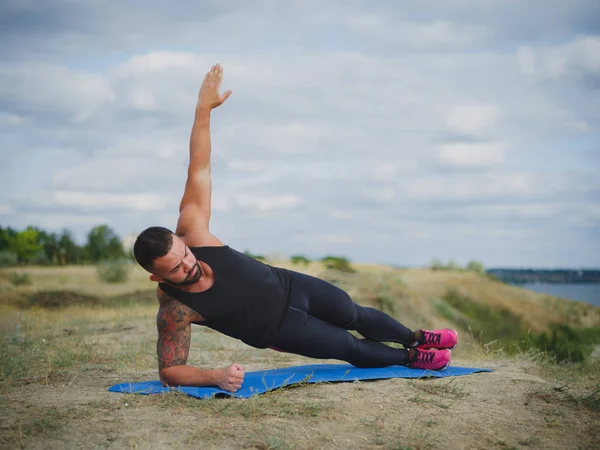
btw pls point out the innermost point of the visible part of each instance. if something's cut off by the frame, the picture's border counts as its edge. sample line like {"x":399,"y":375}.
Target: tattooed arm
{"x":174,"y":332}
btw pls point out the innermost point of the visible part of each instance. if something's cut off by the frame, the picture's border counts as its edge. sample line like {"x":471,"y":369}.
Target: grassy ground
{"x":57,"y":361}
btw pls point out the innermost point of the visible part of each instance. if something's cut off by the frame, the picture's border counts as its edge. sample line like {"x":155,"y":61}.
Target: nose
{"x":188,"y":265}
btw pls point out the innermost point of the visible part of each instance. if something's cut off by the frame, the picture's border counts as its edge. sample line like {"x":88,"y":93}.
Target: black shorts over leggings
{"x":317,"y":321}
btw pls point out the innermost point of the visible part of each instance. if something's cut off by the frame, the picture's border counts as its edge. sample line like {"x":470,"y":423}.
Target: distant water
{"x":583,"y":292}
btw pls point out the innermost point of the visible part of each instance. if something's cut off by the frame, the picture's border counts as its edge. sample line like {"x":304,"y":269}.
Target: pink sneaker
{"x":429,"y":359}
{"x":446,"y":338}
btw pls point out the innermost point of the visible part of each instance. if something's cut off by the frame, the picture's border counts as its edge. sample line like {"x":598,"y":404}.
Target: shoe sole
{"x":433,"y":370}
{"x":454,"y":346}
{"x":436,"y":370}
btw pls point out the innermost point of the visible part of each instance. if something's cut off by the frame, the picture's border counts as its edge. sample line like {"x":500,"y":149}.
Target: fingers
{"x":209,"y":91}
{"x":234,"y":378}
{"x":236,"y":370}
{"x":224,"y":97}
{"x":215,"y":74}
{"x":235,"y":383}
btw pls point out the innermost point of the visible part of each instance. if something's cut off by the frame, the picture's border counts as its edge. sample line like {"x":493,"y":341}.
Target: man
{"x":204,"y":282}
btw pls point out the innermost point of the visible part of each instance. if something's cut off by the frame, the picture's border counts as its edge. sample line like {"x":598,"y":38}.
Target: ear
{"x":155,"y":278}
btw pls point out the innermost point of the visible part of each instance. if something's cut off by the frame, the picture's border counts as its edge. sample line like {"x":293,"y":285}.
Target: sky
{"x":382,"y":131}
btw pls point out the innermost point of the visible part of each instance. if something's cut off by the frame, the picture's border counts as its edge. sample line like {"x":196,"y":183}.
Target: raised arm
{"x":174,"y":333}
{"x":195,"y":207}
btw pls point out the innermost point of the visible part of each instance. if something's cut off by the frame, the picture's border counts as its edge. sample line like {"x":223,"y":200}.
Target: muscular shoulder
{"x":172,"y":310}
{"x":201,"y":239}
{"x":192,"y":228}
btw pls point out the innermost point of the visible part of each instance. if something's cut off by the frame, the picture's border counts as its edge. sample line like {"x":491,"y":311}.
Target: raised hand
{"x":231,"y":378}
{"x":209,"y":96}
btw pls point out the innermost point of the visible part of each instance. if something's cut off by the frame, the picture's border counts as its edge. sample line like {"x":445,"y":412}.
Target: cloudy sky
{"x":383,"y":131}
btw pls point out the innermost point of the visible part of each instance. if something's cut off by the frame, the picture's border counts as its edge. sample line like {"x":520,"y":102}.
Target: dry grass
{"x":58,"y":363}
{"x":82,"y":279}
{"x":538,"y":310}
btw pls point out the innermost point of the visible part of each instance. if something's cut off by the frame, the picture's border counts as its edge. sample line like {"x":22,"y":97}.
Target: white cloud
{"x":379,"y":195}
{"x":325,"y":238}
{"x":129,"y":241}
{"x":384,"y":172}
{"x":505,"y":185}
{"x":220,"y":202}
{"x":293,"y":137}
{"x":472,"y":119}
{"x":422,"y":35}
{"x":101,"y":200}
{"x":468,"y":154}
{"x":575,"y":59}
{"x":50,"y":89}
{"x":142,"y":99}
{"x":268,"y":203}
{"x":11,"y":120}
{"x":150,"y":167}
{"x":158,"y":62}
{"x":59,"y":221}
{"x":387,"y":109}
{"x":338,"y":214}
{"x":247,"y":166}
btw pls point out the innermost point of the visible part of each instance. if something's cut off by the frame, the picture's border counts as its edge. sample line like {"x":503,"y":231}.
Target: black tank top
{"x":247,"y":300}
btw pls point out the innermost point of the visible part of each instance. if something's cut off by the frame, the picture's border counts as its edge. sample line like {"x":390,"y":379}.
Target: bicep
{"x":198,"y":190}
{"x":174,"y":335}
{"x":194,"y":210}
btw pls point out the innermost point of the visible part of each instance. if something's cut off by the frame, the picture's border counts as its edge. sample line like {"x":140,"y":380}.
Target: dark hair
{"x":152,"y":243}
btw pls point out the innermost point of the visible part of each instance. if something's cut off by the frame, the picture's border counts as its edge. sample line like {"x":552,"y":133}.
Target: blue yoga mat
{"x":261,"y":381}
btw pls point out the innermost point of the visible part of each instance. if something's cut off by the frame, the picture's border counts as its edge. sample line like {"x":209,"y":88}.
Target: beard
{"x":197,"y":271}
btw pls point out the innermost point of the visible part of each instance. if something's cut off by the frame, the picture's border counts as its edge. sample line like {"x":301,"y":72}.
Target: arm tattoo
{"x":174,"y":334}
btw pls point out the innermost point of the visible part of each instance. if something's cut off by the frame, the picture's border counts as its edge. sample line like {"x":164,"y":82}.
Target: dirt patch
{"x":58,"y":364}
{"x":64,"y":299}
{"x":60,"y":299}
{"x":512,"y":407}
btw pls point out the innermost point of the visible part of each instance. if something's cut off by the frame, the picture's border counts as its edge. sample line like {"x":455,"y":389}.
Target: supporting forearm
{"x":200,"y":141}
{"x":188,"y":376}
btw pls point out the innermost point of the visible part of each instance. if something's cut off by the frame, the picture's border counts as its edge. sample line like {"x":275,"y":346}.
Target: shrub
{"x":60,"y":299}
{"x":453,"y":265}
{"x":113,"y":271}
{"x":436,"y":264}
{"x":337,"y":263}
{"x":490,"y":323}
{"x":299,"y":259}
{"x":387,"y":304}
{"x":561,"y":342}
{"x":41,"y":259}
{"x":8,"y":258}
{"x":568,"y":344}
{"x":257,"y":257}
{"x":476,"y":266}
{"x":19,"y":279}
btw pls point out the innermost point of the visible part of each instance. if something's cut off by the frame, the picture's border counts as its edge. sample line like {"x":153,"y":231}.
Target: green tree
{"x":337,"y":263}
{"x":436,"y":264}
{"x":27,"y":245}
{"x":7,"y":238}
{"x":453,"y":265}
{"x":68,"y":251}
{"x":476,"y":266}
{"x":252,"y":255}
{"x":49,"y":244}
{"x":299,"y":259}
{"x":8,"y":258}
{"x":103,"y":244}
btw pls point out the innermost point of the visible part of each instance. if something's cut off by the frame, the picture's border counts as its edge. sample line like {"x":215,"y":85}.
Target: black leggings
{"x":317,"y":321}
